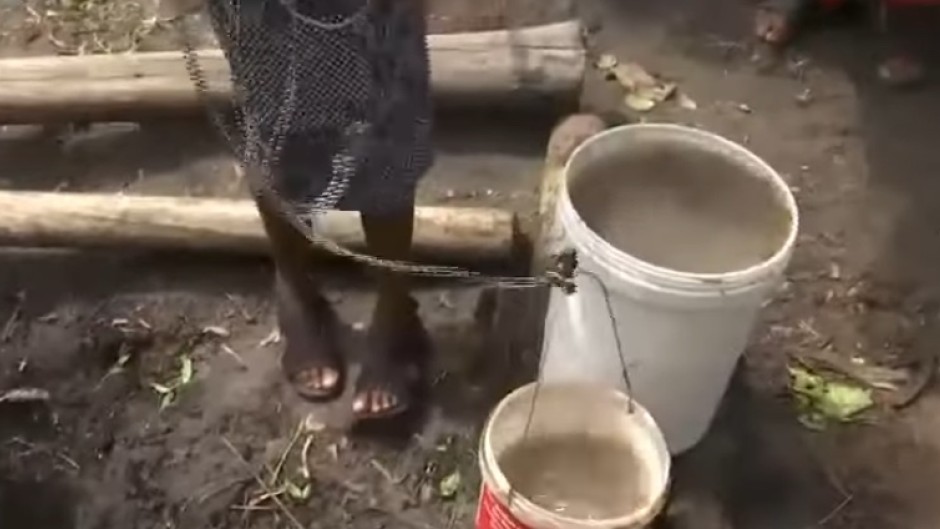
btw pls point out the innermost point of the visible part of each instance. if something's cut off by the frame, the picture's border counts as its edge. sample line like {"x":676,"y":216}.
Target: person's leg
{"x":396,"y":341}
{"x":311,"y":358}
{"x":897,"y":26}
{"x":775,"y":22}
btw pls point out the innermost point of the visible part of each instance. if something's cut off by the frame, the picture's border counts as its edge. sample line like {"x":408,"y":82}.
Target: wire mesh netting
{"x":331,"y":109}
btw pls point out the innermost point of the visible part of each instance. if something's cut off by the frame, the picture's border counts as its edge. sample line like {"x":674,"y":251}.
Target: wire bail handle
{"x":563,"y":276}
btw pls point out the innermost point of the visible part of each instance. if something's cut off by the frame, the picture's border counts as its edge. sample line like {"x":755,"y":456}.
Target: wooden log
{"x":448,"y":235}
{"x":481,"y":68}
{"x":565,"y":138}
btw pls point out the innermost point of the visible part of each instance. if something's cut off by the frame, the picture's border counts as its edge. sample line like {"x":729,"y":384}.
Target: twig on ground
{"x":875,"y":377}
{"x":305,"y":457}
{"x":251,"y":508}
{"x":68,"y":460}
{"x":30,"y":448}
{"x":283,"y":508}
{"x":216,"y":331}
{"x":264,"y":496}
{"x":10,"y":326}
{"x":920,"y":380}
{"x":20,"y":395}
{"x":356,"y":490}
{"x":835,"y":511}
{"x":902,"y":386}
{"x":231,"y":352}
{"x":211,"y":490}
{"x":847,"y":497}
{"x":386,"y":473}
{"x":274,"y":337}
{"x":240,"y":307}
{"x":276,"y":473}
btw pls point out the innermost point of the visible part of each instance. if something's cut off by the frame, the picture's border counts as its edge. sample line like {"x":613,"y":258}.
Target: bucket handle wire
{"x":568,"y":264}
{"x":618,"y":341}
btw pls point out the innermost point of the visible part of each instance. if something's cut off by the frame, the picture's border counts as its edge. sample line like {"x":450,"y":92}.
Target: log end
{"x":569,"y":134}
{"x":566,"y":137}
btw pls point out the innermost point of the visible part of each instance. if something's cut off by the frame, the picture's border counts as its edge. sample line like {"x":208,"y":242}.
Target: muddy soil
{"x":109,"y":335}
{"x":126,"y":439}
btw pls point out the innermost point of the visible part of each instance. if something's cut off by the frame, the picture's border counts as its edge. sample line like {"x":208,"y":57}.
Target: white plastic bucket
{"x":560,"y":410}
{"x":682,"y":332}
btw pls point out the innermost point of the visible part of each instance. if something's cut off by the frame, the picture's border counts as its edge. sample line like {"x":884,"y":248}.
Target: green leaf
{"x":449,"y":486}
{"x":186,"y":371}
{"x":821,"y":400}
{"x":845,"y":401}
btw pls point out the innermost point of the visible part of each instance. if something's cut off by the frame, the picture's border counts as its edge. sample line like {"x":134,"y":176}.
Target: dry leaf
{"x":632,"y":76}
{"x":639,"y":102}
{"x":186,"y":371}
{"x":297,"y":492}
{"x":449,"y":486}
{"x":218,"y":332}
{"x":606,"y":62}
{"x":272,"y":338}
{"x":685,"y":101}
{"x":160,"y":388}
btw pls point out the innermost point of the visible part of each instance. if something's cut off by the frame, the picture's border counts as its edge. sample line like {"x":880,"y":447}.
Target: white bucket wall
{"x":682,"y":333}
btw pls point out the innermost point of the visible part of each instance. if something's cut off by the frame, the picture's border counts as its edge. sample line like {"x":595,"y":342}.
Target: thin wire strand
{"x":625,"y":372}
{"x":290,"y":7}
{"x":530,"y":417}
{"x":618,"y":342}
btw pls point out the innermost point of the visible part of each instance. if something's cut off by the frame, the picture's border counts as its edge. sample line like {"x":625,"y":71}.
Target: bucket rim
{"x":494,"y":477}
{"x":662,"y":276}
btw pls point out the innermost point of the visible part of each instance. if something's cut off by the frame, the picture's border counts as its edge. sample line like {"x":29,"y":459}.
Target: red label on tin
{"x":492,"y":514}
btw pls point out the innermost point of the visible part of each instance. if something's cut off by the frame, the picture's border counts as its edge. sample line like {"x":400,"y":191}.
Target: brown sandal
{"x":311,"y":350}
{"x":392,"y":370}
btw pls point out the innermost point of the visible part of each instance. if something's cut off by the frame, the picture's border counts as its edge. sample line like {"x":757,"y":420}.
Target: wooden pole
{"x":518,"y":67}
{"x":447,"y":235}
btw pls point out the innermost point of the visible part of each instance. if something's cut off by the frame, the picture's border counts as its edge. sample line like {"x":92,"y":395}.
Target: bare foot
{"x":392,"y":369}
{"x":773,"y":25}
{"x":311,"y":360}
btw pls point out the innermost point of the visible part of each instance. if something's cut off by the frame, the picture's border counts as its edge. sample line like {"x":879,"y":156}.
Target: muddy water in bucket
{"x":691,"y":211}
{"x":583,"y":457}
{"x":578,"y":476}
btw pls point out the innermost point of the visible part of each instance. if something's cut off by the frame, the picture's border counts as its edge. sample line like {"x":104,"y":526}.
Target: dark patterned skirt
{"x":334,"y":89}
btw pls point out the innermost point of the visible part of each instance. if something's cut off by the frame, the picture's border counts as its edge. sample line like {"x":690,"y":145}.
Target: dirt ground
{"x":103,"y":332}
